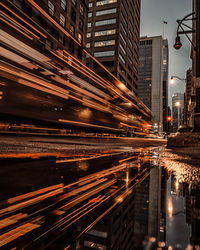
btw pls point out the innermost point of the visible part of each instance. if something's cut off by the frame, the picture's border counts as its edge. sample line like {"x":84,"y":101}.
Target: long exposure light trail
{"x":22,"y":19}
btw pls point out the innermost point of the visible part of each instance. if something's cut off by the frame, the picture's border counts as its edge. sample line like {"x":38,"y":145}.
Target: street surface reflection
{"x":146,"y":199}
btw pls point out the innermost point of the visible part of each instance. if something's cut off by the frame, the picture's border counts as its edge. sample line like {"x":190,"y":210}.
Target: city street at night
{"x":99,"y":124}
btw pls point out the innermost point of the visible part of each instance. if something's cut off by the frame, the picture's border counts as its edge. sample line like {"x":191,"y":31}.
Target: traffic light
{"x":169,"y":118}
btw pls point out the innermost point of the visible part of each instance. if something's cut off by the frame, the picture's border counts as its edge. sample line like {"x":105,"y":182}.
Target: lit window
{"x":63,"y":4}
{"x":71,"y":29}
{"x":105,"y":22}
{"x":104,"y":53}
{"x":106,"y":12}
{"x":88,"y":35}
{"x":62,"y":20}
{"x":104,"y":43}
{"x":103,"y":2}
{"x":90,"y":5}
{"x":87,"y":45}
{"x":51,"y":8}
{"x":80,"y":38}
{"x":89,"y":25}
{"x":94,"y":245}
{"x":105,"y":32}
{"x":90,"y":14}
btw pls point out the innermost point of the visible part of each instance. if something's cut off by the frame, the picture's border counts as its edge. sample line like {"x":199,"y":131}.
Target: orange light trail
{"x":33,"y":3}
{"x":28,"y":31}
{"x":19,"y":17}
{"x":13,"y":26}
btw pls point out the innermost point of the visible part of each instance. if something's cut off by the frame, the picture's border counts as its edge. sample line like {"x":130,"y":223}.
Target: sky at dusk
{"x":153,"y":12}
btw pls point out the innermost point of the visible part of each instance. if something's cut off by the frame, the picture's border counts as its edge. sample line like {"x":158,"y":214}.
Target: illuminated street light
{"x":179,"y":78}
{"x":177,"y":104}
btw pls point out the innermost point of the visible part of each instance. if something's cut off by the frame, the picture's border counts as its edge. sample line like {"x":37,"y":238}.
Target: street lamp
{"x":182,"y":25}
{"x":179,"y":78}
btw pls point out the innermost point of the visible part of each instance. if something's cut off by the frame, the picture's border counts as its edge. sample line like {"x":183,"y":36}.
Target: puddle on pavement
{"x":147,"y":199}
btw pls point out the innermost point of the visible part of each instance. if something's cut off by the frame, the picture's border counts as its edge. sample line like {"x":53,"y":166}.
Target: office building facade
{"x":153,"y":79}
{"x":59,"y":25}
{"x":113,"y":38}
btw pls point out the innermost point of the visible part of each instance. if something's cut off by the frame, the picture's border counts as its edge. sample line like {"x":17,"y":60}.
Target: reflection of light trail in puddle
{"x":84,"y":191}
{"x":170,"y":207}
{"x":119,"y":199}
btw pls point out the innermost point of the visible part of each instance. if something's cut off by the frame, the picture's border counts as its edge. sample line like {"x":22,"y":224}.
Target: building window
{"x":81,"y":10}
{"x":123,"y":28}
{"x":63,"y":4}
{"x":122,"y":58}
{"x":104,"y":43}
{"x":62,"y":20}
{"x":94,"y":245}
{"x":90,"y":14}
{"x":73,"y":15}
{"x":87,"y":45}
{"x":130,"y":61}
{"x":51,"y":8}
{"x":81,"y":24}
{"x":97,"y":233}
{"x":90,"y":5}
{"x":103,"y":2}
{"x":74,"y":2}
{"x":88,"y":35}
{"x":123,"y":18}
{"x":106,"y":12}
{"x":123,"y":39}
{"x":80,"y":38}
{"x":104,"y":53}
{"x":89,"y":25}
{"x":122,"y":48}
{"x":105,"y":22}
{"x":105,"y":32}
{"x":71,"y":29}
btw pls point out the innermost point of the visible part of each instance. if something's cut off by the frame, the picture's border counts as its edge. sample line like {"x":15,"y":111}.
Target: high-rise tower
{"x":113,"y":38}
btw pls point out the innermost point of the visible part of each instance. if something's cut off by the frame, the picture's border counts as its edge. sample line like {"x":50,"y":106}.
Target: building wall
{"x":153,"y":79}
{"x":165,"y":84}
{"x":113,"y":38}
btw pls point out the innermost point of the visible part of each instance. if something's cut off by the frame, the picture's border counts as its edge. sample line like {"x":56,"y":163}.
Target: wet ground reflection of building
{"x":139,"y":215}
{"x":183,"y":227}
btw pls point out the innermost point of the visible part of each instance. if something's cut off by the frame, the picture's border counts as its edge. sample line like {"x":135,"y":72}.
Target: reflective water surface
{"x":147,"y":199}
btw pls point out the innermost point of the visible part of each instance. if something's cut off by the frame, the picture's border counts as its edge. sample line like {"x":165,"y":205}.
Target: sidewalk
{"x":187,"y":143}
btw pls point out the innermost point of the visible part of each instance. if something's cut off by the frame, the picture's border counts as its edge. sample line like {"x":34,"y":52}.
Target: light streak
{"x":88,"y":125}
{"x":28,"y":31}
{"x":19,"y":17}
{"x":34,"y":193}
{"x":47,"y":16}
{"x":13,"y":26}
